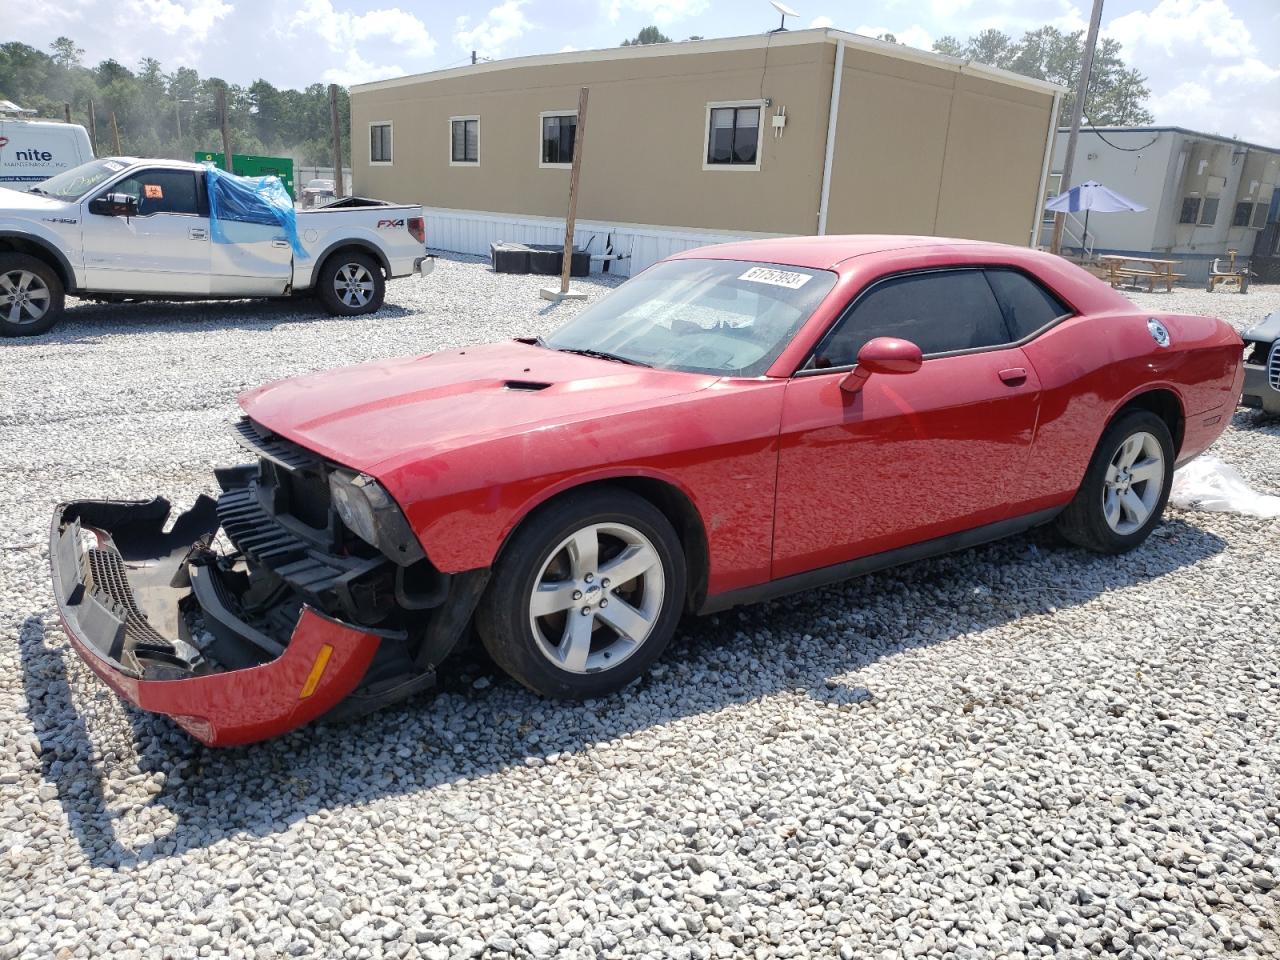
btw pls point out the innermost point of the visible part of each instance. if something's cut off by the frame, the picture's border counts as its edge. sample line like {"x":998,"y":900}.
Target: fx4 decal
{"x":390,"y":224}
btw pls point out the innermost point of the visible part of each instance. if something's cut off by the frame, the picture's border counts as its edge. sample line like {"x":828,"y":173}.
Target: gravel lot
{"x":1022,"y":750}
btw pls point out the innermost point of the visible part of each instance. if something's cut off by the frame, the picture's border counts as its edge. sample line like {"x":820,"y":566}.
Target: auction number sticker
{"x":776,"y":278}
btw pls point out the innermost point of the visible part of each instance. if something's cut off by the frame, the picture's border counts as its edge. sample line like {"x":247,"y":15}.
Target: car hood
{"x":374,"y":415}
{"x":1267,"y":330}
{"x":20,"y":201}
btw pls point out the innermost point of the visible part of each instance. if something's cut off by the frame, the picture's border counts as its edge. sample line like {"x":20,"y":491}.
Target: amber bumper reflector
{"x":317,"y":670}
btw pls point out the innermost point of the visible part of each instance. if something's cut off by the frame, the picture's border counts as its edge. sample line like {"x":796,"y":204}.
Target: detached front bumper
{"x":127,"y":590}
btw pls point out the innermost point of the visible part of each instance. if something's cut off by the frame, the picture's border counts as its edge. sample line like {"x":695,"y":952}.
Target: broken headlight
{"x":368,"y":511}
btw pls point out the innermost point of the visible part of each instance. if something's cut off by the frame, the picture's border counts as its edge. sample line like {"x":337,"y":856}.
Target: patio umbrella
{"x":1091,"y":195}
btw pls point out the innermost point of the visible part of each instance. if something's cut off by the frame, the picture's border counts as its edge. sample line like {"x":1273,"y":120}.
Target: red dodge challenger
{"x":734,"y":423}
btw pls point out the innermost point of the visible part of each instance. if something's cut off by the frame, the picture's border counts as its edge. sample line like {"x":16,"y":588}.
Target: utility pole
{"x":226,"y":133}
{"x":93,"y":130}
{"x":473,"y":58}
{"x":338,"y":190}
{"x":115,"y":133}
{"x":66,"y":111}
{"x":1077,"y":112}
{"x":177,"y":116}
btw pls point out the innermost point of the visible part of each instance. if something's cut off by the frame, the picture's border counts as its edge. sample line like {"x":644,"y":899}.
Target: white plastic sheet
{"x":1206,"y":483}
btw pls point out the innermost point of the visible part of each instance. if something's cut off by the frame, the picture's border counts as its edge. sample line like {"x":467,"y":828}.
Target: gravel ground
{"x":1023,"y":750}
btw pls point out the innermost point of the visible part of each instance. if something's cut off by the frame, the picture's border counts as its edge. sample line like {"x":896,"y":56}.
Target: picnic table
{"x":1155,"y":270}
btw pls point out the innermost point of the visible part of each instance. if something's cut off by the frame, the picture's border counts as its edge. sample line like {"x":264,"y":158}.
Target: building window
{"x":464,"y":139}
{"x":559,"y":131}
{"x":380,"y":142}
{"x":1190,"y":210}
{"x":1051,"y":189}
{"x":733,"y":136}
{"x":1209,"y":212}
{"x":1243,"y":214}
{"x":1260,"y":211}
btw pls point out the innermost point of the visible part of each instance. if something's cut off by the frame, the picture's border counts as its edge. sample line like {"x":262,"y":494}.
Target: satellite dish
{"x":786,"y":11}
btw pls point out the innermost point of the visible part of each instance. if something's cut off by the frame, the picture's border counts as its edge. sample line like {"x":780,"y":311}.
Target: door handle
{"x":198,"y":233}
{"x":1014,"y":376}
{"x":279,"y":242}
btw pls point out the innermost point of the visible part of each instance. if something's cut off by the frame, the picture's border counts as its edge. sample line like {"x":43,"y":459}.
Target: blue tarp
{"x":250,"y":200}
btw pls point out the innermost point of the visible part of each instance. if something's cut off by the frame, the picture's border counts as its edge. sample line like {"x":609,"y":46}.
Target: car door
{"x":164,"y":249}
{"x":910,"y":457}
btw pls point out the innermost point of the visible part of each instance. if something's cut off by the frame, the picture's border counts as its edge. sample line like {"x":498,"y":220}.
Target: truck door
{"x":256,"y":262}
{"x":163,"y":249}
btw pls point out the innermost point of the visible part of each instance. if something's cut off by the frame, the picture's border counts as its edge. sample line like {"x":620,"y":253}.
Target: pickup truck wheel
{"x":585,"y":596}
{"x":351,"y":283}
{"x":1125,"y":488}
{"x":31,"y":296}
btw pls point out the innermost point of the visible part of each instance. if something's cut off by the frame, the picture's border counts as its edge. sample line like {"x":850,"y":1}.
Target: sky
{"x":1212,"y":65}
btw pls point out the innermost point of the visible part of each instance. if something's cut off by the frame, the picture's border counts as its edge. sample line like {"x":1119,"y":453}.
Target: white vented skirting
{"x":471,"y":231}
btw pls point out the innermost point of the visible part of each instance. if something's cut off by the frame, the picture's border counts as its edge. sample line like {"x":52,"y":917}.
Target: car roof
{"x":829,"y":252}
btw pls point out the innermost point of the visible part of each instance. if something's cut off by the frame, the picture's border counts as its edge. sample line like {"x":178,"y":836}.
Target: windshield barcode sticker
{"x":776,"y":278}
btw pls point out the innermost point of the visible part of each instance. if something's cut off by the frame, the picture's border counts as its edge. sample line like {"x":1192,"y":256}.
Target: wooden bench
{"x":1151,"y":276}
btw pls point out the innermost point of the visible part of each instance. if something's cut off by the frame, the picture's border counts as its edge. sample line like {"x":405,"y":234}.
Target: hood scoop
{"x":526,"y":386}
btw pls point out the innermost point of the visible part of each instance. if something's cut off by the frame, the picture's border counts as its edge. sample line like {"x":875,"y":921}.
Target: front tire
{"x":31,"y":296}
{"x":350,"y":284}
{"x":1126,"y":487}
{"x":585,"y":596}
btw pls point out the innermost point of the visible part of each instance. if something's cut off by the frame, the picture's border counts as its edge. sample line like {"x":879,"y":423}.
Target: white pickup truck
{"x":119,"y":229}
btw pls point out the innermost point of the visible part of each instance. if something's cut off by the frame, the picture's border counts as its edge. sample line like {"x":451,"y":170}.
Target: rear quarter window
{"x":1027,"y":305}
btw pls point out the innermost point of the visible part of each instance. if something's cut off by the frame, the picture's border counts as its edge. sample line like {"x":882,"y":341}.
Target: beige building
{"x":800,"y":132}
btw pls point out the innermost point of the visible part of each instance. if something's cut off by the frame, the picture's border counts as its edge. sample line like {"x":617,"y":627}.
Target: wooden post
{"x":579,"y":142}
{"x":66,"y":111}
{"x":115,"y":133}
{"x":226,"y":133}
{"x":338,"y":189}
{"x":93,"y":130}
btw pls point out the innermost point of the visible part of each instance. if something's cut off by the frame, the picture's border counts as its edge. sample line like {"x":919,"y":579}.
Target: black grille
{"x":278,"y":450}
{"x":1273,"y":366}
{"x":104,"y":574}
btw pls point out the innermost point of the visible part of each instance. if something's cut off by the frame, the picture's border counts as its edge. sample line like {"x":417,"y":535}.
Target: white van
{"x":35,"y":150}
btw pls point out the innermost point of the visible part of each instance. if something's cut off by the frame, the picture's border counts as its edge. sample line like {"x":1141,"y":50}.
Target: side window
{"x":939,"y":312}
{"x":161,"y":191}
{"x":1027,"y":306}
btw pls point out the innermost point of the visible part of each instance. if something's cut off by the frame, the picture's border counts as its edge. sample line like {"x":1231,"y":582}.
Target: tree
{"x":887,"y":38}
{"x":65,"y":53}
{"x":151,"y":105}
{"x":1117,"y":93}
{"x":646,"y":36}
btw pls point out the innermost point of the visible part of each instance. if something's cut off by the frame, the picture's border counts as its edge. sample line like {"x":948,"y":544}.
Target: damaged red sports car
{"x":734,"y":423}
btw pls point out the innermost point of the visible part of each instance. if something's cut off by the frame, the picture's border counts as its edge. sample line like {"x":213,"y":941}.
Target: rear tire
{"x":1126,"y":487}
{"x":555,"y":619}
{"x":350,"y":283}
{"x":31,"y":296}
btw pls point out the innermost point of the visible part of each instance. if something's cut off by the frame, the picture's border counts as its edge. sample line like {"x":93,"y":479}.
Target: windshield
{"x":726,"y":317}
{"x":71,"y":185}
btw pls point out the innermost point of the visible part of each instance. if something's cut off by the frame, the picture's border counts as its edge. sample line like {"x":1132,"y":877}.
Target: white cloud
{"x":1196,"y":27}
{"x":500,"y":26}
{"x":661,"y":12}
{"x":913,"y":36}
{"x":192,"y":21}
{"x":1250,"y":71}
{"x":355,"y":69}
{"x":821,"y":22}
{"x":343,"y":31}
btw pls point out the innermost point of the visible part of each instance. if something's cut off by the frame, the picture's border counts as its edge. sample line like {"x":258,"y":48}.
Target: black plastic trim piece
{"x":877,"y":561}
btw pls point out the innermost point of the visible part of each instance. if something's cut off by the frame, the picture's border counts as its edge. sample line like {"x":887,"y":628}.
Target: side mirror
{"x":882,"y":355}
{"x":114,"y":205}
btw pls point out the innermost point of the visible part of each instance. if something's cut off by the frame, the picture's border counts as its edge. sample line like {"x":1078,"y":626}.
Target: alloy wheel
{"x":1133,"y":482}
{"x":597,"y":598}
{"x":353,"y":284}
{"x":24,"y":297}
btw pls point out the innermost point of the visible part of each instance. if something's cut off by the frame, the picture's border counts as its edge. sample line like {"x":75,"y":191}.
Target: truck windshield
{"x":71,"y":185}
{"x":726,"y":317}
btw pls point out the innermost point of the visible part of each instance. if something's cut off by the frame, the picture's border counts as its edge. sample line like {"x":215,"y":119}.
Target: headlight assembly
{"x":368,"y":511}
